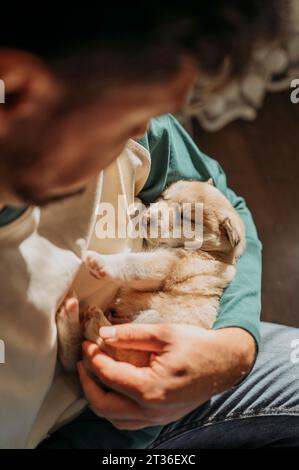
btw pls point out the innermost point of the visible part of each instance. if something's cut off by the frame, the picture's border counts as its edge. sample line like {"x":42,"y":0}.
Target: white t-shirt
{"x":40,"y":260}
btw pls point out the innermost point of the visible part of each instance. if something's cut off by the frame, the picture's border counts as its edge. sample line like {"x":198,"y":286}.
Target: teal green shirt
{"x":9,"y":214}
{"x":175,"y":156}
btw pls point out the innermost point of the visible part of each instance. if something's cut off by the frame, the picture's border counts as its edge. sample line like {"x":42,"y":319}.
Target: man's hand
{"x":188,"y":366}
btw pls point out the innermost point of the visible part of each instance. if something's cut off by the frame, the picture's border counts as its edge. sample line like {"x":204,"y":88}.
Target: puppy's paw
{"x":94,"y":318}
{"x":96,"y":265}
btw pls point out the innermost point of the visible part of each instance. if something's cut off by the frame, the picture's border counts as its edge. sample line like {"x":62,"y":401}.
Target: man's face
{"x":67,"y":144}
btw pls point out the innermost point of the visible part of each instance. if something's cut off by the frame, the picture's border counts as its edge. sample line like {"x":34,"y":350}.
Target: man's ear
{"x":211,"y":182}
{"x":232,"y":233}
{"x":27,"y":84}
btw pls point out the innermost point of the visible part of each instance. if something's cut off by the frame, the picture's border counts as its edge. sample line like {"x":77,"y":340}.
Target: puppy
{"x":175,"y":279}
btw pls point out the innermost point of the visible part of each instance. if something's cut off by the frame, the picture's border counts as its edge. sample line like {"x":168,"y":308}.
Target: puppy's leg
{"x":100,"y":266}
{"x":94,"y":318}
{"x":69,"y":333}
{"x":141,"y":271}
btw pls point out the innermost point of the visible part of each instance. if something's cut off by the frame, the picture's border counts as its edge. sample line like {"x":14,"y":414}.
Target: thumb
{"x":143,"y":337}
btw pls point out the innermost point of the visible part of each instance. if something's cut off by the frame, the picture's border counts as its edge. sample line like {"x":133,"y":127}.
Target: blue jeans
{"x":263,"y":411}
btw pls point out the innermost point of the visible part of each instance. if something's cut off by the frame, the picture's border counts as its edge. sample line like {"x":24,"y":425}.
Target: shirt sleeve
{"x":175,"y":156}
{"x":10,"y":214}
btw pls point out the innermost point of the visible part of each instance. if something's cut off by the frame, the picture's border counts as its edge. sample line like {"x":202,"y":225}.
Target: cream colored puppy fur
{"x":166,"y":282}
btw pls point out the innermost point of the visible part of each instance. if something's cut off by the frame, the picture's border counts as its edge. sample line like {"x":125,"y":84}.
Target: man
{"x":74,"y":96}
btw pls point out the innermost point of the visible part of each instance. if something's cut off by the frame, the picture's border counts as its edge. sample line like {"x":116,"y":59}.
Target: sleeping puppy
{"x":176,"y":279}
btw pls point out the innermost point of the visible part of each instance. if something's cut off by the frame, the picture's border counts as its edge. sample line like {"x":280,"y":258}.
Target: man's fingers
{"x":143,"y":337}
{"x":121,"y":376}
{"x":123,"y":412}
{"x":110,"y":405}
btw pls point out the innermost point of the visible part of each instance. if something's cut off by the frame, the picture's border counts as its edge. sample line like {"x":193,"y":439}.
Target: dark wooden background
{"x":261,"y":160}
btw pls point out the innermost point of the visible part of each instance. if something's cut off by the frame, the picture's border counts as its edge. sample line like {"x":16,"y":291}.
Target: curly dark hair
{"x":147,"y":39}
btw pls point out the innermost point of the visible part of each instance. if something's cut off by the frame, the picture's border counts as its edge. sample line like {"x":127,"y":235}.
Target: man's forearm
{"x":234,"y":357}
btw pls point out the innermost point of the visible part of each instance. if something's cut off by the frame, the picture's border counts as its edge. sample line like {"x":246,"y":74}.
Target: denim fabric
{"x":263,"y":411}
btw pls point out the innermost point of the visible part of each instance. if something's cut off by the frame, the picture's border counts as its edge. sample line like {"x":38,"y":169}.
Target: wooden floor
{"x":261,"y":160}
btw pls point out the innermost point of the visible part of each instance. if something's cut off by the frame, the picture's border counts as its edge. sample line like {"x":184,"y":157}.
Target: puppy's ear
{"x":210,"y":182}
{"x":231,"y":231}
